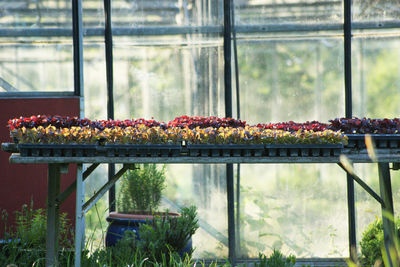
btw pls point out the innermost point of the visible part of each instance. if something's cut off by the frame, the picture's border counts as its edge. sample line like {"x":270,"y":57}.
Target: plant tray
{"x":229,"y":150}
{"x":150,"y":150}
{"x":380,"y":140}
{"x":303,"y":150}
{"x":57,"y":150}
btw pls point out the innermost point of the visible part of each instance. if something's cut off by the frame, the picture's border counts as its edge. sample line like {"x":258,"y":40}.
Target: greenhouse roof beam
{"x":180,"y":30}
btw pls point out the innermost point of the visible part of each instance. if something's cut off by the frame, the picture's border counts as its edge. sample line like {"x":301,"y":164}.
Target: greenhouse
{"x":247,"y":130}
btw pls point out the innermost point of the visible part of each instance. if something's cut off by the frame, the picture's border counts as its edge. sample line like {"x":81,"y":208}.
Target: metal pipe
{"x":181,"y":30}
{"x":347,"y":29}
{"x":389,"y":229}
{"x":110,"y":89}
{"x":228,"y":113}
{"x":363,"y":185}
{"x":77,"y":39}
{"x":235,"y":55}
{"x":347,"y":58}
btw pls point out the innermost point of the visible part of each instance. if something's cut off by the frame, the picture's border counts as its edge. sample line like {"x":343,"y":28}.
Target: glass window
{"x":376,"y":10}
{"x":36,"y":50}
{"x":288,"y":12}
{"x":281,"y":76}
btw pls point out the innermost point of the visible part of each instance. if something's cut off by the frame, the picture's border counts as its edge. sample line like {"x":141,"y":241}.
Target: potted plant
{"x":137,"y":212}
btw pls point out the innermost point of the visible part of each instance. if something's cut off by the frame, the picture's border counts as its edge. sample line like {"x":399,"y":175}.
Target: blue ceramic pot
{"x":120,"y":222}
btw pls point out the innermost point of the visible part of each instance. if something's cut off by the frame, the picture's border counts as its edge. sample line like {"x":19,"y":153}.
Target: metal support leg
{"x":231,"y":214}
{"x":53,"y":214}
{"x":79,"y":216}
{"x":351,"y":218}
{"x":387,"y":209}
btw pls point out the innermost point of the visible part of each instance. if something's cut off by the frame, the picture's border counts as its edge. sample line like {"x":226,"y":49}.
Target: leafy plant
{"x":168,"y":234}
{"x":205,"y":122}
{"x":161,"y":238}
{"x":366,"y":125}
{"x":294,"y":126}
{"x":372,"y":242}
{"x":277,"y":259}
{"x":31,"y":225}
{"x":141,"y":189}
{"x":25,"y":245}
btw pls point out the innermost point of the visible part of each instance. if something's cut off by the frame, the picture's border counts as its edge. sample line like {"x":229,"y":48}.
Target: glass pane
{"x":168,"y":78}
{"x":36,"y":14}
{"x":32,"y":65}
{"x":298,"y":209}
{"x":376,"y":81}
{"x":376,"y":10}
{"x":93,"y":13}
{"x":290,"y":11}
{"x":205,"y":187}
{"x":162,"y":13}
{"x":95,"y":82}
{"x":42,"y":63}
{"x":298,"y":79}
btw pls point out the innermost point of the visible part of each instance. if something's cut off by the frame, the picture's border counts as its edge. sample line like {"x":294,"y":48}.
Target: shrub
{"x":166,"y":234}
{"x":372,"y":242}
{"x":141,"y":189}
{"x":25,"y":245}
{"x":277,"y":259}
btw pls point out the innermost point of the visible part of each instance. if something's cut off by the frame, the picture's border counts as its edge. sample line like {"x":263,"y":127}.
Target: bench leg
{"x":79,"y":216}
{"x":53,"y":214}
{"x":387,"y":209}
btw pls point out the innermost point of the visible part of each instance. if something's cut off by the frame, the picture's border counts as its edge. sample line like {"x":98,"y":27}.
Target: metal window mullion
{"x":110,"y":88}
{"x":77,"y":38}
{"x":347,"y":33}
{"x":228,"y":113}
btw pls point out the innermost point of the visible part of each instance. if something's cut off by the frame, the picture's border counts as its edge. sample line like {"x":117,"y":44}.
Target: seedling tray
{"x":228,"y":150}
{"x":380,"y":140}
{"x":146,"y":150}
{"x":169,"y":150}
{"x":303,"y":150}
{"x":57,"y":150}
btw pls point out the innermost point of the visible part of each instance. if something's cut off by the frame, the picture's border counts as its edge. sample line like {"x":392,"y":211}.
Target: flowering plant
{"x":193,"y":130}
{"x":67,"y":122}
{"x":294,"y":126}
{"x":205,"y":122}
{"x":53,"y":135}
{"x":366,"y":125}
{"x":142,"y":134}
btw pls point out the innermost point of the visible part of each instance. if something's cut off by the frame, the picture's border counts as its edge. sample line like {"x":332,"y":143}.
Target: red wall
{"x":21,"y":183}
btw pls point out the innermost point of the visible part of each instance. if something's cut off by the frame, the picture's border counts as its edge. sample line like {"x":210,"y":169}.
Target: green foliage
{"x":372,"y":242}
{"x":26,"y":244}
{"x":166,"y":234}
{"x":31,"y":227}
{"x":277,"y":259}
{"x":160,"y":241}
{"x":141,"y":189}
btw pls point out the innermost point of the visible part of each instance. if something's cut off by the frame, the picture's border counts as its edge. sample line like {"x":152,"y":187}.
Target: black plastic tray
{"x":380,"y":140}
{"x":228,"y":150}
{"x":57,"y":150}
{"x":173,"y":150}
{"x":303,"y":150}
{"x":146,"y":150}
